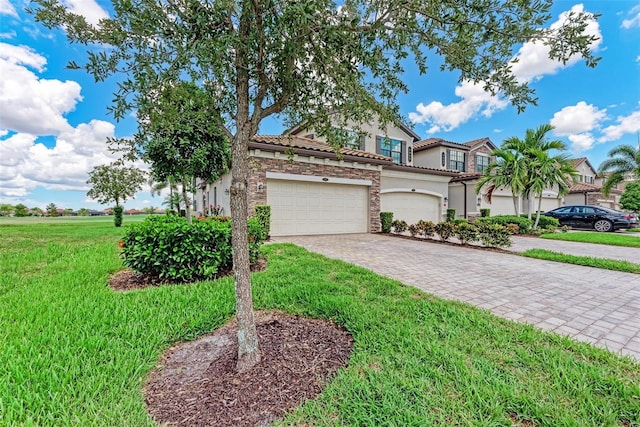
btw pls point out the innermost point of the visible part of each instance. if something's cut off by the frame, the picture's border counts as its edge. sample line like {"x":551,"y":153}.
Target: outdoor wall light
{"x":260,"y":186}
{"x":479,"y":200}
{"x":226,"y":191}
{"x":446,"y":199}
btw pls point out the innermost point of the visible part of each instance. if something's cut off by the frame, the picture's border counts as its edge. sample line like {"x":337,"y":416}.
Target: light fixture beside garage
{"x":413,"y":189}
{"x":325,"y":179}
{"x":260,"y":186}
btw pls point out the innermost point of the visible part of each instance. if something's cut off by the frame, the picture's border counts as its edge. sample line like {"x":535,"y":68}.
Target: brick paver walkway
{"x":601,"y":307}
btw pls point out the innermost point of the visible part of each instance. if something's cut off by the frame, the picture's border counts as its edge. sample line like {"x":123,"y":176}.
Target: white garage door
{"x":299,"y":208}
{"x":548,"y":203}
{"x":411,"y":207}
{"x":501,"y":205}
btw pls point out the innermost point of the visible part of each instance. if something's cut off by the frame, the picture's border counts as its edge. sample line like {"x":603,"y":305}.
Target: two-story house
{"x":587,"y":190}
{"x":313,"y":190}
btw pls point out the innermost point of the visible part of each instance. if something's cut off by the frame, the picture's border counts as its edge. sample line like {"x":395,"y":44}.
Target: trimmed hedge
{"x":169,"y":248}
{"x":386,"y":221}
{"x":524,"y":224}
{"x":263,"y":215}
{"x":544,"y":222}
{"x":451,"y":214}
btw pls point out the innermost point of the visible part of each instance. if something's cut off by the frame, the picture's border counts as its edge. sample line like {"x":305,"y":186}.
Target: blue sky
{"x":54,"y":121}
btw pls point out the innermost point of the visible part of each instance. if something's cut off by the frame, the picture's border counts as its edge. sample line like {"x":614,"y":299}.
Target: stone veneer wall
{"x":258,"y":175}
{"x":471,"y":156}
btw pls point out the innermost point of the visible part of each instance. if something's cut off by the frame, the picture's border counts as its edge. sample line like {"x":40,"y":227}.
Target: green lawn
{"x":614,"y":239}
{"x":72,"y":352}
{"x":607,"y":264}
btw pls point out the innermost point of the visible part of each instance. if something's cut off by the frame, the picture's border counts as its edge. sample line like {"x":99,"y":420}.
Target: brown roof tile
{"x":315,"y":145}
{"x":435,"y":142}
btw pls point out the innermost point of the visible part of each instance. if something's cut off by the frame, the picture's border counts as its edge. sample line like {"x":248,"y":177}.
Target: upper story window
{"x":351,"y":138}
{"x":393,"y":148}
{"x":457,"y":160}
{"x":482,"y":163}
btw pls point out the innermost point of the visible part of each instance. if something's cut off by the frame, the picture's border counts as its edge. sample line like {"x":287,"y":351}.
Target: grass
{"x":72,"y":352}
{"x":613,"y":239}
{"x":607,"y":264}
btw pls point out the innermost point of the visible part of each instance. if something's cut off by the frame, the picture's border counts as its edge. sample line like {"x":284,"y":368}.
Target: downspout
{"x":465,"y":198}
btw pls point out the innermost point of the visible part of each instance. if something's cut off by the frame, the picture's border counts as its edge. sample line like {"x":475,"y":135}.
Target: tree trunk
{"x":535,"y":226}
{"x":515,"y":202}
{"x":187,"y":204}
{"x":248,"y":351}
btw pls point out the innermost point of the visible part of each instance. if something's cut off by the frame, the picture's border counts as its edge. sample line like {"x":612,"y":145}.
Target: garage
{"x":411,"y":206}
{"x":318,"y":206}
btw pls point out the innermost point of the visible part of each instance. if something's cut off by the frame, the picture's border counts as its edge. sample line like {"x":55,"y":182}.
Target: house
{"x":313,"y":190}
{"x":587,"y":190}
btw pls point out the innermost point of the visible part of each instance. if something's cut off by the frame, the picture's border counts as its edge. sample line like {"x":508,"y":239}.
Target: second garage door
{"x":299,"y":207}
{"x":411,"y":207}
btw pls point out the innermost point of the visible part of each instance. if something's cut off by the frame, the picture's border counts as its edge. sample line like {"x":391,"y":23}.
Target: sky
{"x":54,"y":121}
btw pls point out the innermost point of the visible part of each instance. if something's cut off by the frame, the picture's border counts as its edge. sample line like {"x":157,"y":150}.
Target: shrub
{"x":399,"y":226}
{"x":263,"y":215}
{"x":485,"y":212}
{"x":524,"y":224}
{"x":219,"y":218}
{"x":460,"y":221}
{"x":386,"y":221}
{"x":413,"y":230}
{"x":494,"y":235}
{"x":544,"y":221}
{"x":426,"y":228}
{"x":169,"y":248}
{"x":466,"y":232}
{"x":513,"y":229}
{"x":451,"y":214}
{"x":117,"y":215}
{"x":445,"y":230}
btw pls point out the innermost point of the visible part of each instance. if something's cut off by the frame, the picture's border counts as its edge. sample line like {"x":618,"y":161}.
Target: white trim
{"x":321,"y":179}
{"x":360,"y":164}
{"x":412,"y":190}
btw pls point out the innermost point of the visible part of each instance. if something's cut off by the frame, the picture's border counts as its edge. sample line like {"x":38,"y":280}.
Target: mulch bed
{"x":196,"y":383}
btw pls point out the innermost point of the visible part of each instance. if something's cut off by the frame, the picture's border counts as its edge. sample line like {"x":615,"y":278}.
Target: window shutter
{"x":362,"y":138}
{"x":378,"y":145}
{"x":403,"y":152}
{"x":464,"y":165}
{"x":448,"y":165}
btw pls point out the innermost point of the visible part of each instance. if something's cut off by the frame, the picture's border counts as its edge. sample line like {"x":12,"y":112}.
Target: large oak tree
{"x":304,"y":60}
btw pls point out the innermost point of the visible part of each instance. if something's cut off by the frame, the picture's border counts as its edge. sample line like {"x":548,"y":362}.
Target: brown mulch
{"x":196,"y":383}
{"x":127,"y":280}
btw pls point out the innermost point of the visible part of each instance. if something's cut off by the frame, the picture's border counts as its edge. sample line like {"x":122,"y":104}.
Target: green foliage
{"x":623,"y":161}
{"x":20,"y":210}
{"x":52,"y":209}
{"x":399,"y":226}
{"x":524,"y":224}
{"x":386,"y":221}
{"x":630,"y":199}
{"x":545,"y":221}
{"x":494,"y":235}
{"x":263,"y":215}
{"x":115,"y":183}
{"x":451,"y":215}
{"x":427,"y":228}
{"x":169,"y":248}
{"x":413,"y":230}
{"x":117,"y":215}
{"x":83,"y":212}
{"x":445,"y":230}
{"x":466,"y":232}
{"x":485,"y":212}
{"x":6,"y":209}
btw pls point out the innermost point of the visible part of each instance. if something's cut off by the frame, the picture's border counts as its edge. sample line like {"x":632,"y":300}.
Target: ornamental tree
{"x":305,"y":61}
{"x":630,"y":199}
{"x":115,"y":183}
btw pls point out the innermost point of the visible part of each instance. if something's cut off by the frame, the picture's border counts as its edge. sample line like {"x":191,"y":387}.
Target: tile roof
{"x":479,"y":141}
{"x":581,"y":187}
{"x":435,"y":142}
{"x":314,"y":145}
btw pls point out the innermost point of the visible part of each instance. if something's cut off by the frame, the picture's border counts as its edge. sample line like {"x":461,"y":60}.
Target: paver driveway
{"x":601,"y":307}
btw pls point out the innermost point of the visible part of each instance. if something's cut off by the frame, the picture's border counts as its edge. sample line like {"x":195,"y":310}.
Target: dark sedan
{"x":595,"y":217}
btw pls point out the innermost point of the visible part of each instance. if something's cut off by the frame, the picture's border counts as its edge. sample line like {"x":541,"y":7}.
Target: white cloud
{"x":533,"y":60}
{"x":578,"y":118}
{"x":625,"y":125}
{"x":532,"y":64}
{"x":30,"y":104}
{"x":581,"y":142}
{"x":87,"y":8}
{"x":6,"y":8}
{"x":474,"y":101}
{"x":634,"y":20}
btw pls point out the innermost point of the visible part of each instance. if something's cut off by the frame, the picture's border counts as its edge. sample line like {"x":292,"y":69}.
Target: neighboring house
{"x":587,"y":190}
{"x":313,"y":190}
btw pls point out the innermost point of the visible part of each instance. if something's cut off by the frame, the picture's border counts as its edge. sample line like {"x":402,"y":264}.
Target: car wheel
{"x":603,"y":225}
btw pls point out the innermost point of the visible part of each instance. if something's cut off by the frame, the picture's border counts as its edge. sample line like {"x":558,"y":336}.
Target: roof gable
{"x":438,"y":142}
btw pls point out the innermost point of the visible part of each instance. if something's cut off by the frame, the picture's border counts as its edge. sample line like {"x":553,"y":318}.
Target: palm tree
{"x":534,"y":143}
{"x":624,"y":161}
{"x":508,"y":170}
{"x":546,"y":171}
{"x":170,"y":183}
